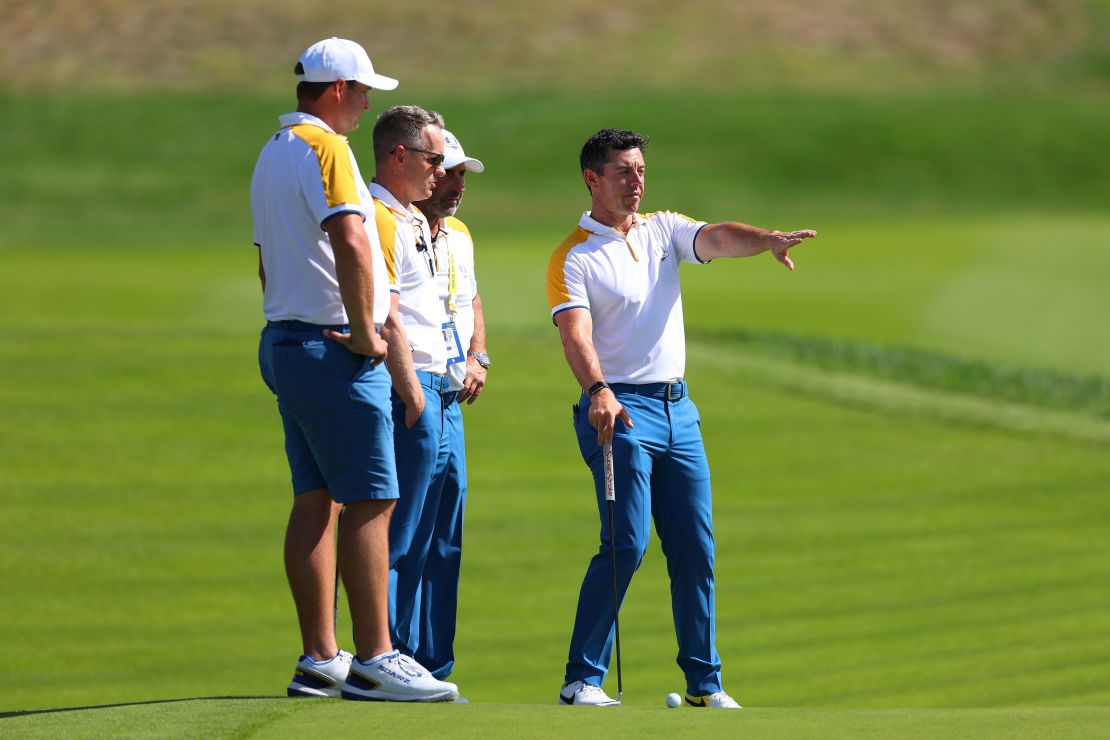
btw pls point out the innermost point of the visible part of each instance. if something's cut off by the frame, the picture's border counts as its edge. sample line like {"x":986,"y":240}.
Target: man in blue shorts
{"x":325,"y":299}
{"x":613,"y":288}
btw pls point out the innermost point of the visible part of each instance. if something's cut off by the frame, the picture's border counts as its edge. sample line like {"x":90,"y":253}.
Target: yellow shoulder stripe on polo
{"x":334,"y":155}
{"x":683,"y":216}
{"x":456,"y":225}
{"x":556,"y":279}
{"x":386,"y":224}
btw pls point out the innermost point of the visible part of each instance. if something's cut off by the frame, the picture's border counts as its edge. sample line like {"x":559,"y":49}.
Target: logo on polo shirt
{"x":661,"y":252}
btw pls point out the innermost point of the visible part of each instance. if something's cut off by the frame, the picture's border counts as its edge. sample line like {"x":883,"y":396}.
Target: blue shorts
{"x":335,"y":410}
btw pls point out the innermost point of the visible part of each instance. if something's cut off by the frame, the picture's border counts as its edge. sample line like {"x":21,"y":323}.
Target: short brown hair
{"x":401,"y":125}
{"x":595,"y":152}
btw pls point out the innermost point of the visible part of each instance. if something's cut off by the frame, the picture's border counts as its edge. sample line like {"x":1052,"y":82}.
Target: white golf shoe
{"x":395,"y":677}
{"x":716,"y":700}
{"x":584,"y":694}
{"x":323,"y":679}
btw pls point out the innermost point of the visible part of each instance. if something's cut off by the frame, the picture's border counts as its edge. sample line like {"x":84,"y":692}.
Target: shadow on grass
{"x":29,"y":712}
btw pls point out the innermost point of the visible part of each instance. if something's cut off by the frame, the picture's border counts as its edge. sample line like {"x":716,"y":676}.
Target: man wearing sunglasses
{"x":409,"y":155}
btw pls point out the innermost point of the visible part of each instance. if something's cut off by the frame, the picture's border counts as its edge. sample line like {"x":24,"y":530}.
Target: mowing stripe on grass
{"x":1086,"y":394}
{"x":821,"y":368}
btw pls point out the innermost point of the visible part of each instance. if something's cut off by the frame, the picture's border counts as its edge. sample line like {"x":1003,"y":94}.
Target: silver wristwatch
{"x":481,"y":357}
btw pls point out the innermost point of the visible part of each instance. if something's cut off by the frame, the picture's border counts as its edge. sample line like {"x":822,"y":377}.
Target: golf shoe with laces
{"x":716,"y":700}
{"x":395,"y":677}
{"x":583,"y":694}
{"x":320,"y":679}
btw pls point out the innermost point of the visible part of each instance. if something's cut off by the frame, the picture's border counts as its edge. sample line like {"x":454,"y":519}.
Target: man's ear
{"x":590,"y":177}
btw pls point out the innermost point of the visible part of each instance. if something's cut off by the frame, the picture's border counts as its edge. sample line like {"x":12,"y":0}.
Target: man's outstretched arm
{"x":732,"y":239}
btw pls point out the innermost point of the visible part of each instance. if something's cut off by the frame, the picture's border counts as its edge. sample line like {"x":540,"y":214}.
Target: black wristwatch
{"x":481,"y":357}
{"x":596,"y":388}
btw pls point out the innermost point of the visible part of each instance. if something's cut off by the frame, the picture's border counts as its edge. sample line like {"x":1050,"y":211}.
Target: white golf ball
{"x":674,"y":700}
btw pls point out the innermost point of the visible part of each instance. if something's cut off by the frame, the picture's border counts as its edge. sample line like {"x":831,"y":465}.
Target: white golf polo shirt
{"x":305,"y":174}
{"x":410,"y":265}
{"x":457,"y":284}
{"x":630,"y":286}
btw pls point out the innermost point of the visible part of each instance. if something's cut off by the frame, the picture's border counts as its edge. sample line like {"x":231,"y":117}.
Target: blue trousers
{"x":425,"y":531}
{"x":439,"y":587}
{"x":661,"y":474}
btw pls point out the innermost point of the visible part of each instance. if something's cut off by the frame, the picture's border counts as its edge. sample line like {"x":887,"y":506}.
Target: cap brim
{"x":381,"y":82}
{"x":472,"y":165}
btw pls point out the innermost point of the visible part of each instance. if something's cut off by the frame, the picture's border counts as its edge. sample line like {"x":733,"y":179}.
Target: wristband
{"x":597,"y":388}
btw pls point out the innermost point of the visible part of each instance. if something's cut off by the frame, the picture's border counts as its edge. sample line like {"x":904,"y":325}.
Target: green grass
{"x":908,"y":435}
{"x":168,"y":170}
{"x":265,"y":718}
{"x":1086,"y":394}
{"x":913,"y":560}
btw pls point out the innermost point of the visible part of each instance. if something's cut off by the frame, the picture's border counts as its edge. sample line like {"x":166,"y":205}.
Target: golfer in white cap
{"x":325,"y":297}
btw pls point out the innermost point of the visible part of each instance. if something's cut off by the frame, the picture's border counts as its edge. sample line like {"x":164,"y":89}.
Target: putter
{"x":610,"y":497}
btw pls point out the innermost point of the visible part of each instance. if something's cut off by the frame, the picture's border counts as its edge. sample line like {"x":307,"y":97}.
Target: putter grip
{"x":607,"y":453}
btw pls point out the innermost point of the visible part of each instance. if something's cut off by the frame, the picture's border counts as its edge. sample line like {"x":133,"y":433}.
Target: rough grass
{"x":175,"y":172}
{"x":496,"y":45}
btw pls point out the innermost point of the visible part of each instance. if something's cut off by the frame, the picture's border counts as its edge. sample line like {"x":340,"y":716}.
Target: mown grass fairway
{"x":276,"y":718}
{"x":890,"y":542}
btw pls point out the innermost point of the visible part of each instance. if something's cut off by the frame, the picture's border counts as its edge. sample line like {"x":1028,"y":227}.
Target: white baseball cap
{"x":334,"y":58}
{"x":453,"y":155}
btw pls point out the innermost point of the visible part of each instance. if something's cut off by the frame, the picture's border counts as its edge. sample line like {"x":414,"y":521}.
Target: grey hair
{"x":401,"y":125}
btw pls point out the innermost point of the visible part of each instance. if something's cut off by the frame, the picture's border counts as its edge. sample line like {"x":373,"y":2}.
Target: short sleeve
{"x":566,"y":284}
{"x":683,"y":231}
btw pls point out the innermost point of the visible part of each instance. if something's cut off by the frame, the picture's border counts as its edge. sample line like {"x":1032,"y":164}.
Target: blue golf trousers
{"x":661,"y":474}
{"x":439,"y":586}
{"x":424,"y":454}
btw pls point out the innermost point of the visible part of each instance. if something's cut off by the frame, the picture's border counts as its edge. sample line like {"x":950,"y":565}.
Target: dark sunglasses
{"x":435,"y":159}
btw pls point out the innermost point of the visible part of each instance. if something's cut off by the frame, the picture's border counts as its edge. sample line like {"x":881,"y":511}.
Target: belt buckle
{"x":670,"y":395}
